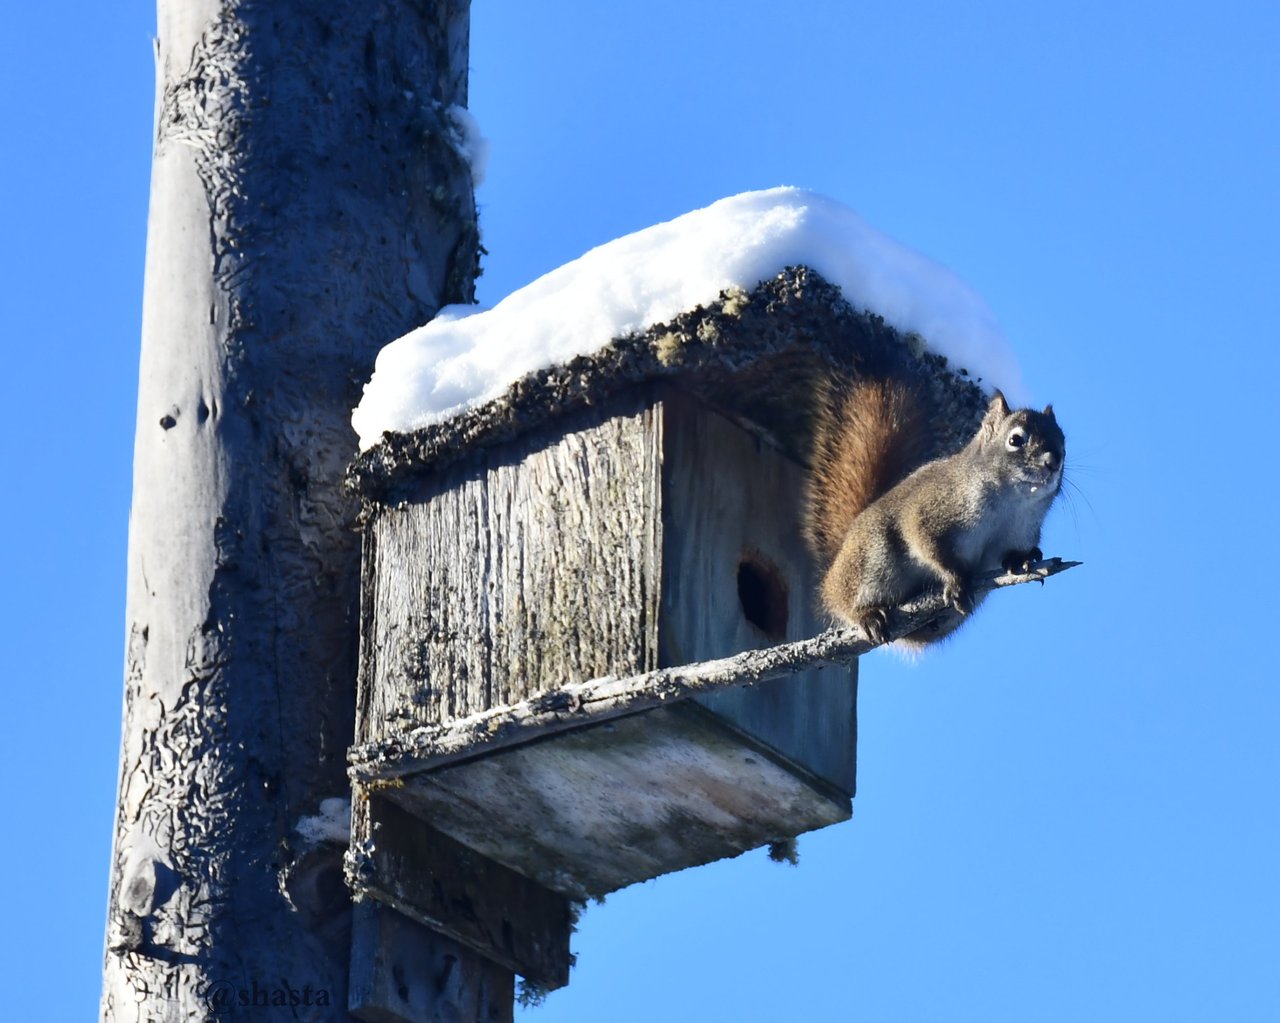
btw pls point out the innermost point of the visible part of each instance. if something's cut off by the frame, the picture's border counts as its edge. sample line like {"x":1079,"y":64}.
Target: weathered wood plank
{"x":733,"y":551}
{"x":579,"y":704}
{"x":604,"y":807}
{"x":399,"y":859}
{"x":535,"y":568}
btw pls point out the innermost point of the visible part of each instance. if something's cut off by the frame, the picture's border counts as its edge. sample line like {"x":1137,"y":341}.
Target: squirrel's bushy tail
{"x":868,"y":435}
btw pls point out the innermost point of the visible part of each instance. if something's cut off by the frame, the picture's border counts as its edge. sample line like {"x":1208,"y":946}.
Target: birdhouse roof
{"x":756,"y":354}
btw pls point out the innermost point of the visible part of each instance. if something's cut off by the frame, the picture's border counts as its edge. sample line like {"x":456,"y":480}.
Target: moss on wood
{"x":755,"y":354}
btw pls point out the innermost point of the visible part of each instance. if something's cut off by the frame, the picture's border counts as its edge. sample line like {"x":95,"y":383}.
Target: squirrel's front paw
{"x":955,"y":592}
{"x":1020,"y":562}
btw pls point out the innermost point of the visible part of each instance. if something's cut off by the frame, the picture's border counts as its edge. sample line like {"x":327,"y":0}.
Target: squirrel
{"x":887,"y":524}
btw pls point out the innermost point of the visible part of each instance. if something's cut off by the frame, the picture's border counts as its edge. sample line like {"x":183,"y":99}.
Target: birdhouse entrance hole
{"x":763,"y":595}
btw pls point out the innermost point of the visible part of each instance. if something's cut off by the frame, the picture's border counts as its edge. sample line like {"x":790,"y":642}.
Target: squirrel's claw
{"x":874,"y":623}
{"x":1021,"y":562}
{"x":956,"y":593}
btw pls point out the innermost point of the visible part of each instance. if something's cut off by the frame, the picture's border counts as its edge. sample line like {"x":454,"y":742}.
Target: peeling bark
{"x":307,"y":206}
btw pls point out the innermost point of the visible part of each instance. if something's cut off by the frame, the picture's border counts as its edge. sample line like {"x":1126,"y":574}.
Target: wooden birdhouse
{"x":560,"y":591}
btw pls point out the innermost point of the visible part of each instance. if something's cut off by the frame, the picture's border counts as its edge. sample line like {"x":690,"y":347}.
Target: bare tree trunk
{"x":307,"y":206}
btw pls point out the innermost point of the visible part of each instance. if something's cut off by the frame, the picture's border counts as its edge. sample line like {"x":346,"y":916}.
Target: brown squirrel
{"x":888,"y":525}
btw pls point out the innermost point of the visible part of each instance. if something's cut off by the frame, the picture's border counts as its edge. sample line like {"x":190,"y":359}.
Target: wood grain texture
{"x":535,"y":568}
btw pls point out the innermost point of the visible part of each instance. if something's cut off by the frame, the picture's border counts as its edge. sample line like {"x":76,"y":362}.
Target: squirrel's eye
{"x":1017,"y":438}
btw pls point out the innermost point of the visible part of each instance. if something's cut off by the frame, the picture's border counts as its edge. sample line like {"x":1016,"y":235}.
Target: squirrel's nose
{"x":1049,"y":460}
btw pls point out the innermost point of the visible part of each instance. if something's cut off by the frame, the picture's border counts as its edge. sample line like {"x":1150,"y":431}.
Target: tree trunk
{"x":308,"y":204}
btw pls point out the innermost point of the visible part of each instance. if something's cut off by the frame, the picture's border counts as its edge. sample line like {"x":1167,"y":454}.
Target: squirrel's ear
{"x":1048,"y":411}
{"x":997,"y":412}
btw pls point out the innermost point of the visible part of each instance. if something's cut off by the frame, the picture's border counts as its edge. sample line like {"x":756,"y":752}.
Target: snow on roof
{"x":467,"y":355}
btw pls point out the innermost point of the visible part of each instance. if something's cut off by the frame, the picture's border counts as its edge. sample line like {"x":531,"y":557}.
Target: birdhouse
{"x":570,"y":599}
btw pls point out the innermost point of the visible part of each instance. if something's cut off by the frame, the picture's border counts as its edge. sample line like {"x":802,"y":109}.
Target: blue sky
{"x":1068,"y":813}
